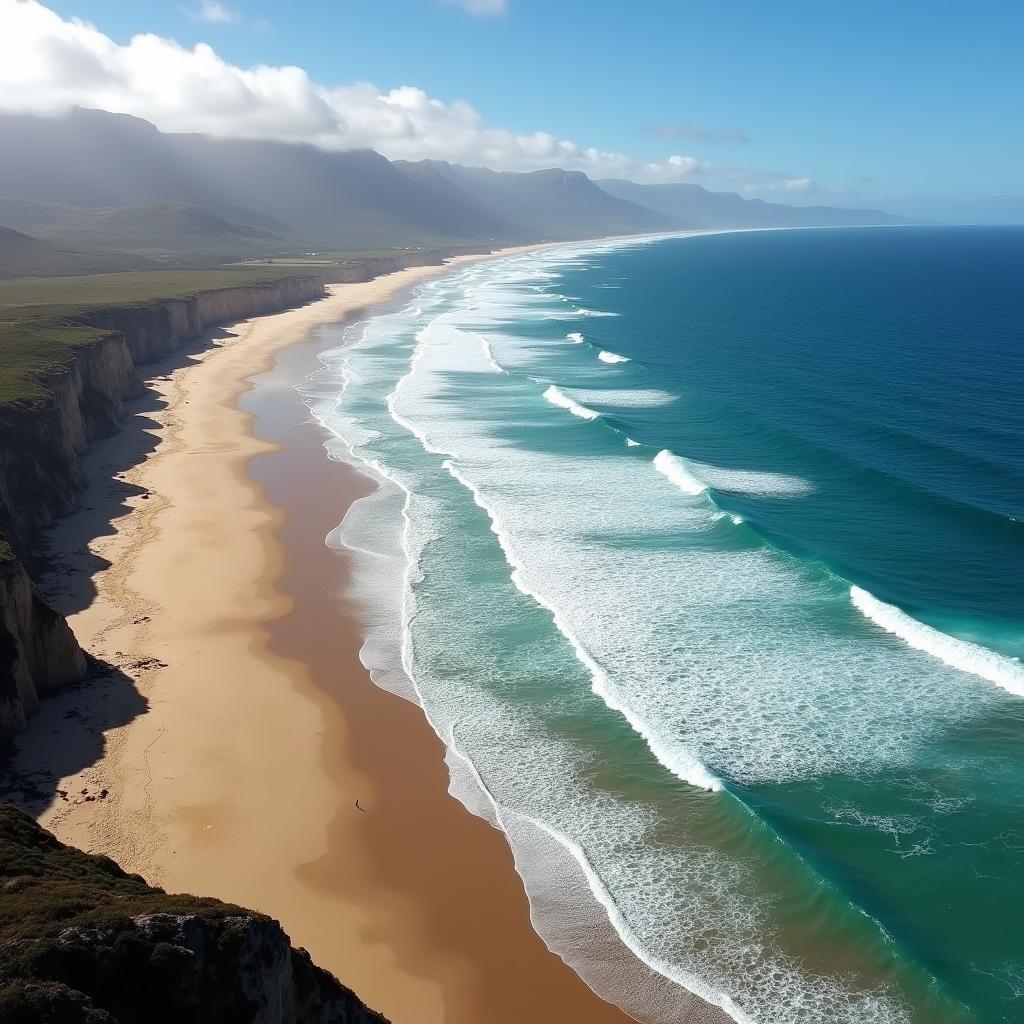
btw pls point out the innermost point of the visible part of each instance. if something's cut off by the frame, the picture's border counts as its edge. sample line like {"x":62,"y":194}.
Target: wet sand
{"x":229,"y":747}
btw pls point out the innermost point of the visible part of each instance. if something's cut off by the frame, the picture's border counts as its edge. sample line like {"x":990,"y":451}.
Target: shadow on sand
{"x":67,"y":736}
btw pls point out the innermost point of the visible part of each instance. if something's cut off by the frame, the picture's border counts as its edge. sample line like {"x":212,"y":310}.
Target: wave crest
{"x":960,"y":654}
{"x":675,"y":470}
{"x":563,"y":401}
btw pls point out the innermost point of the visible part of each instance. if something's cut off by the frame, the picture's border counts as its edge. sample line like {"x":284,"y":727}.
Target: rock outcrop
{"x":80,"y":940}
{"x":38,"y":651}
{"x":41,"y":447}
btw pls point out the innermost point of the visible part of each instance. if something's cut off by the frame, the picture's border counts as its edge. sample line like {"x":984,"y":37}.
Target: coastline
{"x":228,"y":766}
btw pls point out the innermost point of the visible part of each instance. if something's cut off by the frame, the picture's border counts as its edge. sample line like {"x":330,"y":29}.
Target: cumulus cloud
{"x":480,"y":8}
{"x":695,"y":132}
{"x":49,"y":64}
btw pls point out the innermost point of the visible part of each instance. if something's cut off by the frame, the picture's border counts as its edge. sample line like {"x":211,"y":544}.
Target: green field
{"x":30,"y":296}
{"x":37,"y":315}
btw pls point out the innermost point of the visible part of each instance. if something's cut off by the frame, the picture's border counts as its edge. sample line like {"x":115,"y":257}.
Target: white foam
{"x":674,"y":469}
{"x":676,"y":759}
{"x":961,"y":654}
{"x":752,"y":482}
{"x":593,"y":312}
{"x":611,"y":357}
{"x":673,"y":636}
{"x":575,"y":337}
{"x":630,"y":443}
{"x":563,"y":401}
{"x":489,"y":353}
{"x":627,"y":398}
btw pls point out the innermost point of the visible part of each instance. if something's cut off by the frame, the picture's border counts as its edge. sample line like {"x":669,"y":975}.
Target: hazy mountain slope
{"x":91,"y":179}
{"x":24,"y":256}
{"x":704,"y":209}
{"x":548,"y":204}
{"x":155,"y":228}
{"x":353,"y":199}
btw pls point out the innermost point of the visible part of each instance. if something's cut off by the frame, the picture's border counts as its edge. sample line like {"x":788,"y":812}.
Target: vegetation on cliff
{"x":82,"y":941}
{"x":42,"y":319}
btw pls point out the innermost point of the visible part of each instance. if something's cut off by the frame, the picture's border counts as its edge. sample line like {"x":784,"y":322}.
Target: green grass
{"x":28,"y":351}
{"x":38,"y":332}
{"x":48,"y":887}
{"x":63,"y":295}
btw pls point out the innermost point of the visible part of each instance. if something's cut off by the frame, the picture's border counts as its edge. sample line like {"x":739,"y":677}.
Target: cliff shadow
{"x":61,"y":563}
{"x":65,"y":738}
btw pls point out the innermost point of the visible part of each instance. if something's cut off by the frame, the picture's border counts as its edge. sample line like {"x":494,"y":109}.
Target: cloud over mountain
{"x":49,"y":64}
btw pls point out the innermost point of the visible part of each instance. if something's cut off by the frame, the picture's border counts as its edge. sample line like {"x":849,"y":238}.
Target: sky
{"x":826,"y":101}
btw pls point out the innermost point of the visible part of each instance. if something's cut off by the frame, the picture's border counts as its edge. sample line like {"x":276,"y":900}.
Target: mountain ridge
{"x":93,"y":179}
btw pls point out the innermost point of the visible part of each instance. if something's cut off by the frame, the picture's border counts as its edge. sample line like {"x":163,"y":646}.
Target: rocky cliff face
{"x":38,"y":651}
{"x":82,"y":941}
{"x":41,"y":449}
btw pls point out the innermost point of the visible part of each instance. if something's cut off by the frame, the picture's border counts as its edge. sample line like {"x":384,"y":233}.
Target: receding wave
{"x":489,"y":354}
{"x":611,"y":357}
{"x":679,"y":761}
{"x":563,"y":401}
{"x":961,"y":654}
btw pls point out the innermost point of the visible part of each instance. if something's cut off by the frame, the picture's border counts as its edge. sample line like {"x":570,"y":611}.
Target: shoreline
{"x":219,"y":758}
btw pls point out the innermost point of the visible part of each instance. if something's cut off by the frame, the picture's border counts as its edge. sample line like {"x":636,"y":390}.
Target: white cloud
{"x":49,"y":64}
{"x":212,"y":11}
{"x":480,"y":8}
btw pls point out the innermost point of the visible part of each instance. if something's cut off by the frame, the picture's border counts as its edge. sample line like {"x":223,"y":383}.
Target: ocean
{"x":704,"y":556}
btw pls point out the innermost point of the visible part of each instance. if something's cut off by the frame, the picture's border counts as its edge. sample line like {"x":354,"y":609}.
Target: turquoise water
{"x":703,"y":555}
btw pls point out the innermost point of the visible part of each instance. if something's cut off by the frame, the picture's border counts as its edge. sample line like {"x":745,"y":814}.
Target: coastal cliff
{"x":38,"y":651}
{"x":42,"y":442}
{"x":81,"y":940}
{"x":77,"y":399}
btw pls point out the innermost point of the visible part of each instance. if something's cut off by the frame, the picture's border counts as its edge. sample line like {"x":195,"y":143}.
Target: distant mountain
{"x":95,"y":180}
{"x":157,"y":228}
{"x":548,"y":204}
{"x":22,"y":255}
{"x":703,"y":209}
{"x":354,"y":199}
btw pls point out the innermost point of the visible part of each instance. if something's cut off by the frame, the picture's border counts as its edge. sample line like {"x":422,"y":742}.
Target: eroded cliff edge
{"x":82,"y":941}
{"x":76,"y":399}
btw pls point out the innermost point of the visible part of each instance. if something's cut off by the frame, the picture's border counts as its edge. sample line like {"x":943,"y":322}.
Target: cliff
{"x":42,"y":441}
{"x":74,"y":399}
{"x":82,"y":941}
{"x":38,"y":651}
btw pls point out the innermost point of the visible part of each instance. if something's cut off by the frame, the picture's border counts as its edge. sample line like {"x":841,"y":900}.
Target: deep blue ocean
{"x":704,"y":556}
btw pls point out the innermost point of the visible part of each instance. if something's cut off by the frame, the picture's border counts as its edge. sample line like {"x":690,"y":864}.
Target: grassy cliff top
{"x":37,"y":315}
{"x":82,"y":942}
{"x":48,"y":887}
{"x":35,"y":296}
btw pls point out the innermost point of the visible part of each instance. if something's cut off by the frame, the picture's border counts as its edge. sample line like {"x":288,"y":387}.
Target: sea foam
{"x":681,"y":662}
{"x":675,"y":470}
{"x":611,"y":357}
{"x":961,"y":654}
{"x":563,"y":401}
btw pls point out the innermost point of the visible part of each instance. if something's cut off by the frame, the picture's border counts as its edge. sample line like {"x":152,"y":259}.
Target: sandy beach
{"x":224,"y":753}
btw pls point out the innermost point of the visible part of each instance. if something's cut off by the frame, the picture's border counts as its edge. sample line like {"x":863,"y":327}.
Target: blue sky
{"x":868,"y":98}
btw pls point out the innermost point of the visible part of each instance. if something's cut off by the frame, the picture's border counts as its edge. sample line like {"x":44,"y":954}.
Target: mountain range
{"x":113,"y":183}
